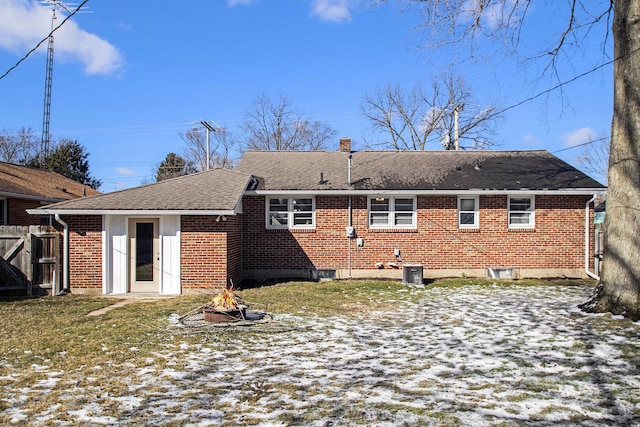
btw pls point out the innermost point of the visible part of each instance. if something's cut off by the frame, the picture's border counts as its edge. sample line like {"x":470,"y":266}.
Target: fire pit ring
{"x":213,"y":315}
{"x":195,"y":319}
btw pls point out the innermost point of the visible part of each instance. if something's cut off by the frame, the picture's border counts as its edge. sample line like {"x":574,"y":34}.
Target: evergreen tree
{"x":68,"y":158}
{"x":172,"y":166}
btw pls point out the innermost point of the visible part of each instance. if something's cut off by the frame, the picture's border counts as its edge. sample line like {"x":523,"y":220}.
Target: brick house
{"x":23,"y":188}
{"x":336,"y":214}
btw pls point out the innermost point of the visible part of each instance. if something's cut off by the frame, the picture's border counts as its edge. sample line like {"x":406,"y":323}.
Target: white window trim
{"x":476,"y":212}
{"x":290,"y":213}
{"x":392,"y":212}
{"x":532,"y":216}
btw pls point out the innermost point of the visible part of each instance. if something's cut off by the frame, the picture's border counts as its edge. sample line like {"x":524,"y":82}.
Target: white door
{"x":144,"y":255}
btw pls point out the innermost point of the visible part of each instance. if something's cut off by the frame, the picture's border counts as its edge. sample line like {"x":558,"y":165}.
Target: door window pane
{"x":144,"y":252}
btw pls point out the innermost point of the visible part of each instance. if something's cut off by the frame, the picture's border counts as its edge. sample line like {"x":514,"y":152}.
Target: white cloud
{"x":577,"y":137}
{"x":331,"y":10}
{"x":125,"y":171}
{"x":23,"y":24}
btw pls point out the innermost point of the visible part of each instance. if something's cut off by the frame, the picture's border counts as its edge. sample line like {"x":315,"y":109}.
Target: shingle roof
{"x":17,"y":181}
{"x":414,"y":170}
{"x":222,"y":189}
{"x":213,"y":190}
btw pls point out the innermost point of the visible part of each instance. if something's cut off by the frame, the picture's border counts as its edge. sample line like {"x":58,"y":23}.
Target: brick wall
{"x":557,"y":241}
{"x":209,"y":251}
{"x":17,"y":212}
{"x":85,"y":251}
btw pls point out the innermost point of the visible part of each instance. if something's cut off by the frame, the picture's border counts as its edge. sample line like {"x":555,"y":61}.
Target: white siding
{"x":114,"y":254}
{"x":170,"y":254}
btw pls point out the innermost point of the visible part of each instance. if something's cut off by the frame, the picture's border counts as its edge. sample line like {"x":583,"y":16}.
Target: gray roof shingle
{"x":414,"y":170}
{"x":222,"y":189}
{"x":213,"y":190}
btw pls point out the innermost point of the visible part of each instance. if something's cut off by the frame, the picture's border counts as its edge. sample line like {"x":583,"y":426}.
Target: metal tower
{"x":44,"y":148}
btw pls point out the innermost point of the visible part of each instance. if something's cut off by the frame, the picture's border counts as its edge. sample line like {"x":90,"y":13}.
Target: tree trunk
{"x":619,"y":289}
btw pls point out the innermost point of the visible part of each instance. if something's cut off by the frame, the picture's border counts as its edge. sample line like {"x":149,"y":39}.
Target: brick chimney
{"x":345,"y":144}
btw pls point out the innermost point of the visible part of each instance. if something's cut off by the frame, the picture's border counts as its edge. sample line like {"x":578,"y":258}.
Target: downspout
{"x":65,"y":254}
{"x":587,"y":226}
{"x":349,"y":239}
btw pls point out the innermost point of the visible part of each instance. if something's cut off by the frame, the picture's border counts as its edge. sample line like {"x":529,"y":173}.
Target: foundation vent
{"x":502,"y":273}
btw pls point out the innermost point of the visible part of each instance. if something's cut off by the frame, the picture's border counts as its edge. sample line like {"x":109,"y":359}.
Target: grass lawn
{"x":455,"y":352}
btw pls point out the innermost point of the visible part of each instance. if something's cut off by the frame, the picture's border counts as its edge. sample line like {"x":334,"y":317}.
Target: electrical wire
{"x":558,"y":86}
{"x":43,"y":40}
{"x":592,"y":141}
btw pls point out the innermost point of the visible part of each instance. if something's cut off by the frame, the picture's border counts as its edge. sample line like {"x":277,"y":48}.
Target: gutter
{"x":587,"y":226}
{"x":350,"y":213}
{"x":65,"y":256}
{"x":137,"y":212}
{"x":425,"y":192}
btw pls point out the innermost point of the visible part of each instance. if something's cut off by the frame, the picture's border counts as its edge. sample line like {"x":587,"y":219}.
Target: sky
{"x":130,"y":76}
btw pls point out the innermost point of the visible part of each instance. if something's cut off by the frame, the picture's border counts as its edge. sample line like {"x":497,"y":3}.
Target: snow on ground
{"x":477,"y":355}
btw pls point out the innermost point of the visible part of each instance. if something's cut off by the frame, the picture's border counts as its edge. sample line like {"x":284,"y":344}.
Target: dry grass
{"x":55,"y":361}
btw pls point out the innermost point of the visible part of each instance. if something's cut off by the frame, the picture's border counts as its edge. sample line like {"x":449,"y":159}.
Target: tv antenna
{"x":46,"y":136}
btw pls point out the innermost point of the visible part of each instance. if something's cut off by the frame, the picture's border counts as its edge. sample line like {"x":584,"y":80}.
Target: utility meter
{"x":351,"y":232}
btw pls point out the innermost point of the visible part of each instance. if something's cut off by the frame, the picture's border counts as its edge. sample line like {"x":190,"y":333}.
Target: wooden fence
{"x":29,"y":258}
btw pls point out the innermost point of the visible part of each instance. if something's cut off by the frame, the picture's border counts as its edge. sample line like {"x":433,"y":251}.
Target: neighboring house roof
{"x":29,"y":183}
{"x":213,"y":192}
{"x":413,"y":170}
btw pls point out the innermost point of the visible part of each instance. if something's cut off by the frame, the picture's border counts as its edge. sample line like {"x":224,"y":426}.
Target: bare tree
{"x":594,"y":158}
{"x":467,"y":23}
{"x":221,"y":143}
{"x":19,"y":147}
{"x":275,"y":125}
{"x":444,"y":114}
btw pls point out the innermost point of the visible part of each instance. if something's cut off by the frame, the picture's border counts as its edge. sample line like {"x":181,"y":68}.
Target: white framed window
{"x":3,"y":211}
{"x":521,"y":211}
{"x":468,"y":212}
{"x":392,"y":212}
{"x":291,"y":212}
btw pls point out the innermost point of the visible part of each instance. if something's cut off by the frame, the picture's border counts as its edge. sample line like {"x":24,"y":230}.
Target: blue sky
{"x":129,"y":76}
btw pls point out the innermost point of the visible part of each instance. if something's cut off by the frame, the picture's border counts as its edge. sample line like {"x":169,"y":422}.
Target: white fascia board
{"x":146,"y":213}
{"x":560,"y":192}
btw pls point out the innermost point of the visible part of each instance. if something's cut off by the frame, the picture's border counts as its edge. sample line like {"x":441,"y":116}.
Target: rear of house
{"x":366,"y":214}
{"x":334,"y":214}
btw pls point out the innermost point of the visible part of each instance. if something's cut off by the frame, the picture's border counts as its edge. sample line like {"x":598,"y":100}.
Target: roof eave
{"x":134,"y":212}
{"x":10,"y":195}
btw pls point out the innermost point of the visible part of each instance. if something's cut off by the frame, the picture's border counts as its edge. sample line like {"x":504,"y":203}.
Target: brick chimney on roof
{"x":345,"y":144}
